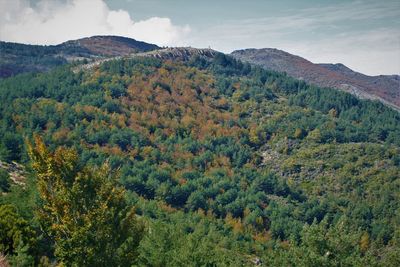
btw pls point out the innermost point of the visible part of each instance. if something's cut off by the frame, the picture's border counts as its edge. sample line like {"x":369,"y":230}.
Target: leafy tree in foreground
{"x":83,"y":211}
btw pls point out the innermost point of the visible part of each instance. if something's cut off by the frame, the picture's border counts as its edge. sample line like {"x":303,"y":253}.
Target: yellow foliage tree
{"x":83,"y":210}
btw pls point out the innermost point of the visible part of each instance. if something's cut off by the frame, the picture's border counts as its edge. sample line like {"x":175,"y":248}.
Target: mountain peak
{"x":384,"y":88}
{"x":104,"y":45}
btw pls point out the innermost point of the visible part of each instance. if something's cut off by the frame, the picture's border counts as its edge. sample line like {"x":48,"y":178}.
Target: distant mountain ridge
{"x":385,"y":88}
{"x":109,"y":46}
{"x":19,"y":58}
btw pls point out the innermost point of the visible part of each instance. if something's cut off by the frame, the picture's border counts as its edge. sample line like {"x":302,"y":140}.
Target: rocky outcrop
{"x":180,"y":53}
{"x":171,"y":53}
{"x":15,"y":170}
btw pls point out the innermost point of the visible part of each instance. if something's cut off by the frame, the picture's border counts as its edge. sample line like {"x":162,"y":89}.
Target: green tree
{"x":22,"y":257}
{"x":4,"y":181}
{"x":83,"y":210}
{"x":315,"y":135}
{"x":10,"y":147}
{"x":14,"y":231}
{"x":169,"y":245}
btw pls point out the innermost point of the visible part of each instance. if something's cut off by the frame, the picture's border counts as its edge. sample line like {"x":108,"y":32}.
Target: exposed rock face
{"x":171,"y":53}
{"x":385,"y":88}
{"x":15,"y":170}
{"x":180,"y":53}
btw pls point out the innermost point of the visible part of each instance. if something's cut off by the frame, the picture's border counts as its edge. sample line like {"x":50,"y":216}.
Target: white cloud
{"x":53,"y":22}
{"x":320,"y":34}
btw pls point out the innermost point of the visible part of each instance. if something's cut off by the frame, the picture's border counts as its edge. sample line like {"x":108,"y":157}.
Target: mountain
{"x":385,"y":88}
{"x":108,"y":46}
{"x":170,"y":53}
{"x":189,"y":157}
{"x":19,"y":58}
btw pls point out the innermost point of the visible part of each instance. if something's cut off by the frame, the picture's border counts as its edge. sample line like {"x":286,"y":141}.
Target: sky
{"x":362,"y":34}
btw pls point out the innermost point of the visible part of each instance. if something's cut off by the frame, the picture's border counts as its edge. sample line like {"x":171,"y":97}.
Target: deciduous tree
{"x":83,"y":210}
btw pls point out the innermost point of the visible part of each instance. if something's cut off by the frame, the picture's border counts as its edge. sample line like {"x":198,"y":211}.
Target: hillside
{"x":105,"y":46}
{"x":189,"y":157}
{"x":20,"y":58}
{"x":385,"y":88}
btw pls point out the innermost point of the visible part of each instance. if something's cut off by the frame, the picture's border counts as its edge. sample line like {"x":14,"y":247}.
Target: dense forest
{"x":208,"y":162}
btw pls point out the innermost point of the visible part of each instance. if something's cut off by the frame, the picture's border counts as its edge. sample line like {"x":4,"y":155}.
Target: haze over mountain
{"x":385,"y":88}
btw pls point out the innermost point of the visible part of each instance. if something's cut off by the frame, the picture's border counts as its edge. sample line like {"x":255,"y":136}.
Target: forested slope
{"x":225,"y":163}
{"x":18,"y":58}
